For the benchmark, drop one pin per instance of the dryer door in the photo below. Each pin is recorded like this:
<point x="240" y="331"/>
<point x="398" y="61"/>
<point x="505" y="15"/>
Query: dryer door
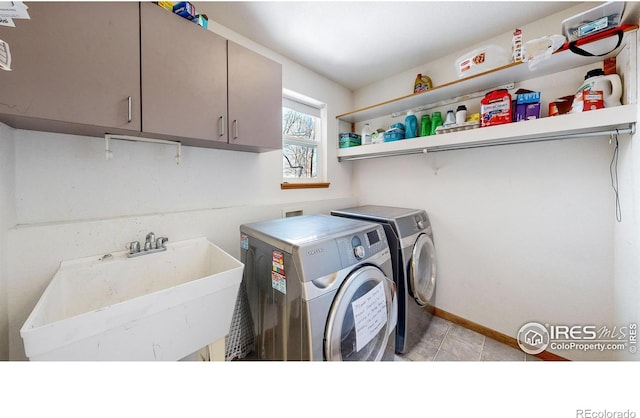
<point x="360" y="318"/>
<point x="422" y="270"/>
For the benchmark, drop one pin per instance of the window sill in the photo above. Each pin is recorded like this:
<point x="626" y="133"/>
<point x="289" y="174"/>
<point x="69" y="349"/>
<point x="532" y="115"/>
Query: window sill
<point x="289" y="186"/>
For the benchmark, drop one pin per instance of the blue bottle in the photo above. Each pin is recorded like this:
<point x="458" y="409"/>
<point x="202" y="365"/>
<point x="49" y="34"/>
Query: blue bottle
<point x="410" y="125"/>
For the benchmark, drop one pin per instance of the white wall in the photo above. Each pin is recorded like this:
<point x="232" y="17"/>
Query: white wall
<point x="523" y="232"/>
<point x="71" y="203"/>
<point x="627" y="234"/>
<point x="627" y="237"/>
<point x="7" y="220"/>
<point x="442" y="70"/>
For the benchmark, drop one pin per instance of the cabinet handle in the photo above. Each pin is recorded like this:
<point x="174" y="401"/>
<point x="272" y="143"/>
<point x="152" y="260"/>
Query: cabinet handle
<point x="235" y="129"/>
<point x="129" y="109"/>
<point x="221" y="125"/>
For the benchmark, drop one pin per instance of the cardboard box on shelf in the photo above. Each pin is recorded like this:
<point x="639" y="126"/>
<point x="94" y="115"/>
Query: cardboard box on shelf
<point x="184" y="9"/>
<point x="201" y="20"/>
<point x="496" y="108"/>
<point x="167" y="5"/>
<point x="526" y="105"/>
<point x="561" y="105"/>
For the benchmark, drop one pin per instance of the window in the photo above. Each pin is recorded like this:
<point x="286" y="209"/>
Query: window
<point x="302" y="139"/>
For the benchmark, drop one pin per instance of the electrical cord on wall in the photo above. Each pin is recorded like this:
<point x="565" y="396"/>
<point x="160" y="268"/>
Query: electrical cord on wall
<point x="613" y="171"/>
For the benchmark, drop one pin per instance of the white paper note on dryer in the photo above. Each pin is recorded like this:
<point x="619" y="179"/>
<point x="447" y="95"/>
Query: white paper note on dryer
<point x="14" y="10"/>
<point x="370" y="315"/>
<point x="7" y="21"/>
<point x="5" y="56"/>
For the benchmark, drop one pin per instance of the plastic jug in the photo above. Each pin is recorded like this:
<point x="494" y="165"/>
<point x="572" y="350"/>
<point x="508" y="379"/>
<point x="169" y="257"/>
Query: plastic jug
<point x="365" y="137"/>
<point x="610" y="85"/>
<point x="450" y="119"/>
<point x="461" y="114"/>
<point x="423" y="83"/>
<point x="425" y="125"/>
<point x="436" y="120"/>
<point x="411" y="125"/>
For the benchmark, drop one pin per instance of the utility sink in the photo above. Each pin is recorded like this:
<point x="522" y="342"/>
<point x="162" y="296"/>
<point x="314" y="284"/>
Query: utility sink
<point x="161" y="306"/>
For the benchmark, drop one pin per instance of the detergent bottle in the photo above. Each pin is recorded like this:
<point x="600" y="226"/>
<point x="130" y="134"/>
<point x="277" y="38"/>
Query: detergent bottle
<point x="365" y="136"/>
<point x="610" y="85"/>
<point x="425" y="125"/>
<point x="411" y="125"/>
<point x="422" y="83"/>
<point x="595" y="80"/>
<point x="436" y="120"/>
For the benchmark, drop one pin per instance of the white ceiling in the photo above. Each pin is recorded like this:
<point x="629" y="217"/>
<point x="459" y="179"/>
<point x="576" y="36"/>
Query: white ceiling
<point x="356" y="43"/>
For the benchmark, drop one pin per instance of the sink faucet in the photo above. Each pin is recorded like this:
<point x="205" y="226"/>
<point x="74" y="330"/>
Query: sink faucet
<point x="151" y="245"/>
<point x="150" y="241"/>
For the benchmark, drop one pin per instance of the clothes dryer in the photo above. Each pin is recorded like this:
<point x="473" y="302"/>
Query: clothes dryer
<point x="413" y="257"/>
<point x="319" y="287"/>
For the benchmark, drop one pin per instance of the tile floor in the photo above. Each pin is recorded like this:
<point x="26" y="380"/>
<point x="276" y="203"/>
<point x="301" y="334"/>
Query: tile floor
<point x="446" y="341"/>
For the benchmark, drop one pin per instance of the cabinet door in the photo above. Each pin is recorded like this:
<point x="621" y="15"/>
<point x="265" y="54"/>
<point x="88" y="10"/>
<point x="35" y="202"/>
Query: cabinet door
<point x="255" y="99"/>
<point x="184" y="77"/>
<point x="75" y="62"/>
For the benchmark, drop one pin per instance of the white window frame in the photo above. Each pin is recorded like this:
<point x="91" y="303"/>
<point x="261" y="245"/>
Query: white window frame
<point x="320" y="143"/>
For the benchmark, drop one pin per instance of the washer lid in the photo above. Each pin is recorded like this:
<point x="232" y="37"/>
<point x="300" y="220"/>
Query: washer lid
<point x="422" y="271"/>
<point x="377" y="213"/>
<point x="361" y="317"/>
<point x="288" y="233"/>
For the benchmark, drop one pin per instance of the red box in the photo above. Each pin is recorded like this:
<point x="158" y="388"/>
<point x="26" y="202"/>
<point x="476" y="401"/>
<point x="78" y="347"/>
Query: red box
<point x="495" y="108"/>
<point x="593" y="99"/>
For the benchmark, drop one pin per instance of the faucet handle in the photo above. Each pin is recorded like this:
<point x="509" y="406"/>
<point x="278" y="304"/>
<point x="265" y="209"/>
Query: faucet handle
<point x="134" y="247"/>
<point x="161" y="241"/>
<point x="150" y="241"/>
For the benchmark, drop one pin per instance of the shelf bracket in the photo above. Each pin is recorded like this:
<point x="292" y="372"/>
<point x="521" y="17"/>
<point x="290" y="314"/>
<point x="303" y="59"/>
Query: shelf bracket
<point x="109" y="137"/>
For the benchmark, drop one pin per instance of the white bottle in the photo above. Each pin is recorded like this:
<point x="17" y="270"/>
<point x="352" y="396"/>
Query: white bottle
<point x="461" y="115"/>
<point x="366" y="134"/>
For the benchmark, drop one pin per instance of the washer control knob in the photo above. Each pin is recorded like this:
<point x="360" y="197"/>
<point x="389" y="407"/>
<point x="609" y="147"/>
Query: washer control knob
<point x="359" y="252"/>
<point x="421" y="224"/>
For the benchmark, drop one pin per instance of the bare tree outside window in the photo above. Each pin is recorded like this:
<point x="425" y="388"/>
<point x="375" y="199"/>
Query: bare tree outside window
<point x="300" y="144"/>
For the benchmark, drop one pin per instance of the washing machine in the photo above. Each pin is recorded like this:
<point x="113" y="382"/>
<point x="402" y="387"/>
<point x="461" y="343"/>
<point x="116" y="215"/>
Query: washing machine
<point x="319" y="287"/>
<point x="413" y="255"/>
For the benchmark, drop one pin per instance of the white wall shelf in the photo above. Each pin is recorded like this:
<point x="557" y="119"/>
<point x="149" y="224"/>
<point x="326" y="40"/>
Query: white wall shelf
<point x="595" y="122"/>
<point x="600" y="122"/>
<point x="511" y="73"/>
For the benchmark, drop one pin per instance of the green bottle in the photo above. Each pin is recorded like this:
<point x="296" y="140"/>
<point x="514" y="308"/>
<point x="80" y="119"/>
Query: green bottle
<point x="436" y="120"/>
<point x="425" y="125"/>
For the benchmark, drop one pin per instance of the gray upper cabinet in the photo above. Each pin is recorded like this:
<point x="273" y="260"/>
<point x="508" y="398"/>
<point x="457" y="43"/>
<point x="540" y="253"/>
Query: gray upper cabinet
<point x="92" y="68"/>
<point x="255" y="99"/>
<point x="184" y="77"/>
<point x="73" y="63"/>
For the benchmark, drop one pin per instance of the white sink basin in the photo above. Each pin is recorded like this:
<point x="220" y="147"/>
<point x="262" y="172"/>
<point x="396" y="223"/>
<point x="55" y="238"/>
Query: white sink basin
<point x="161" y="306"/>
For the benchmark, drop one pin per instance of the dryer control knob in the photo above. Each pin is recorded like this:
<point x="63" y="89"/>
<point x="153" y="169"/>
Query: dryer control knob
<point x="359" y="252"/>
<point x="421" y="224"/>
